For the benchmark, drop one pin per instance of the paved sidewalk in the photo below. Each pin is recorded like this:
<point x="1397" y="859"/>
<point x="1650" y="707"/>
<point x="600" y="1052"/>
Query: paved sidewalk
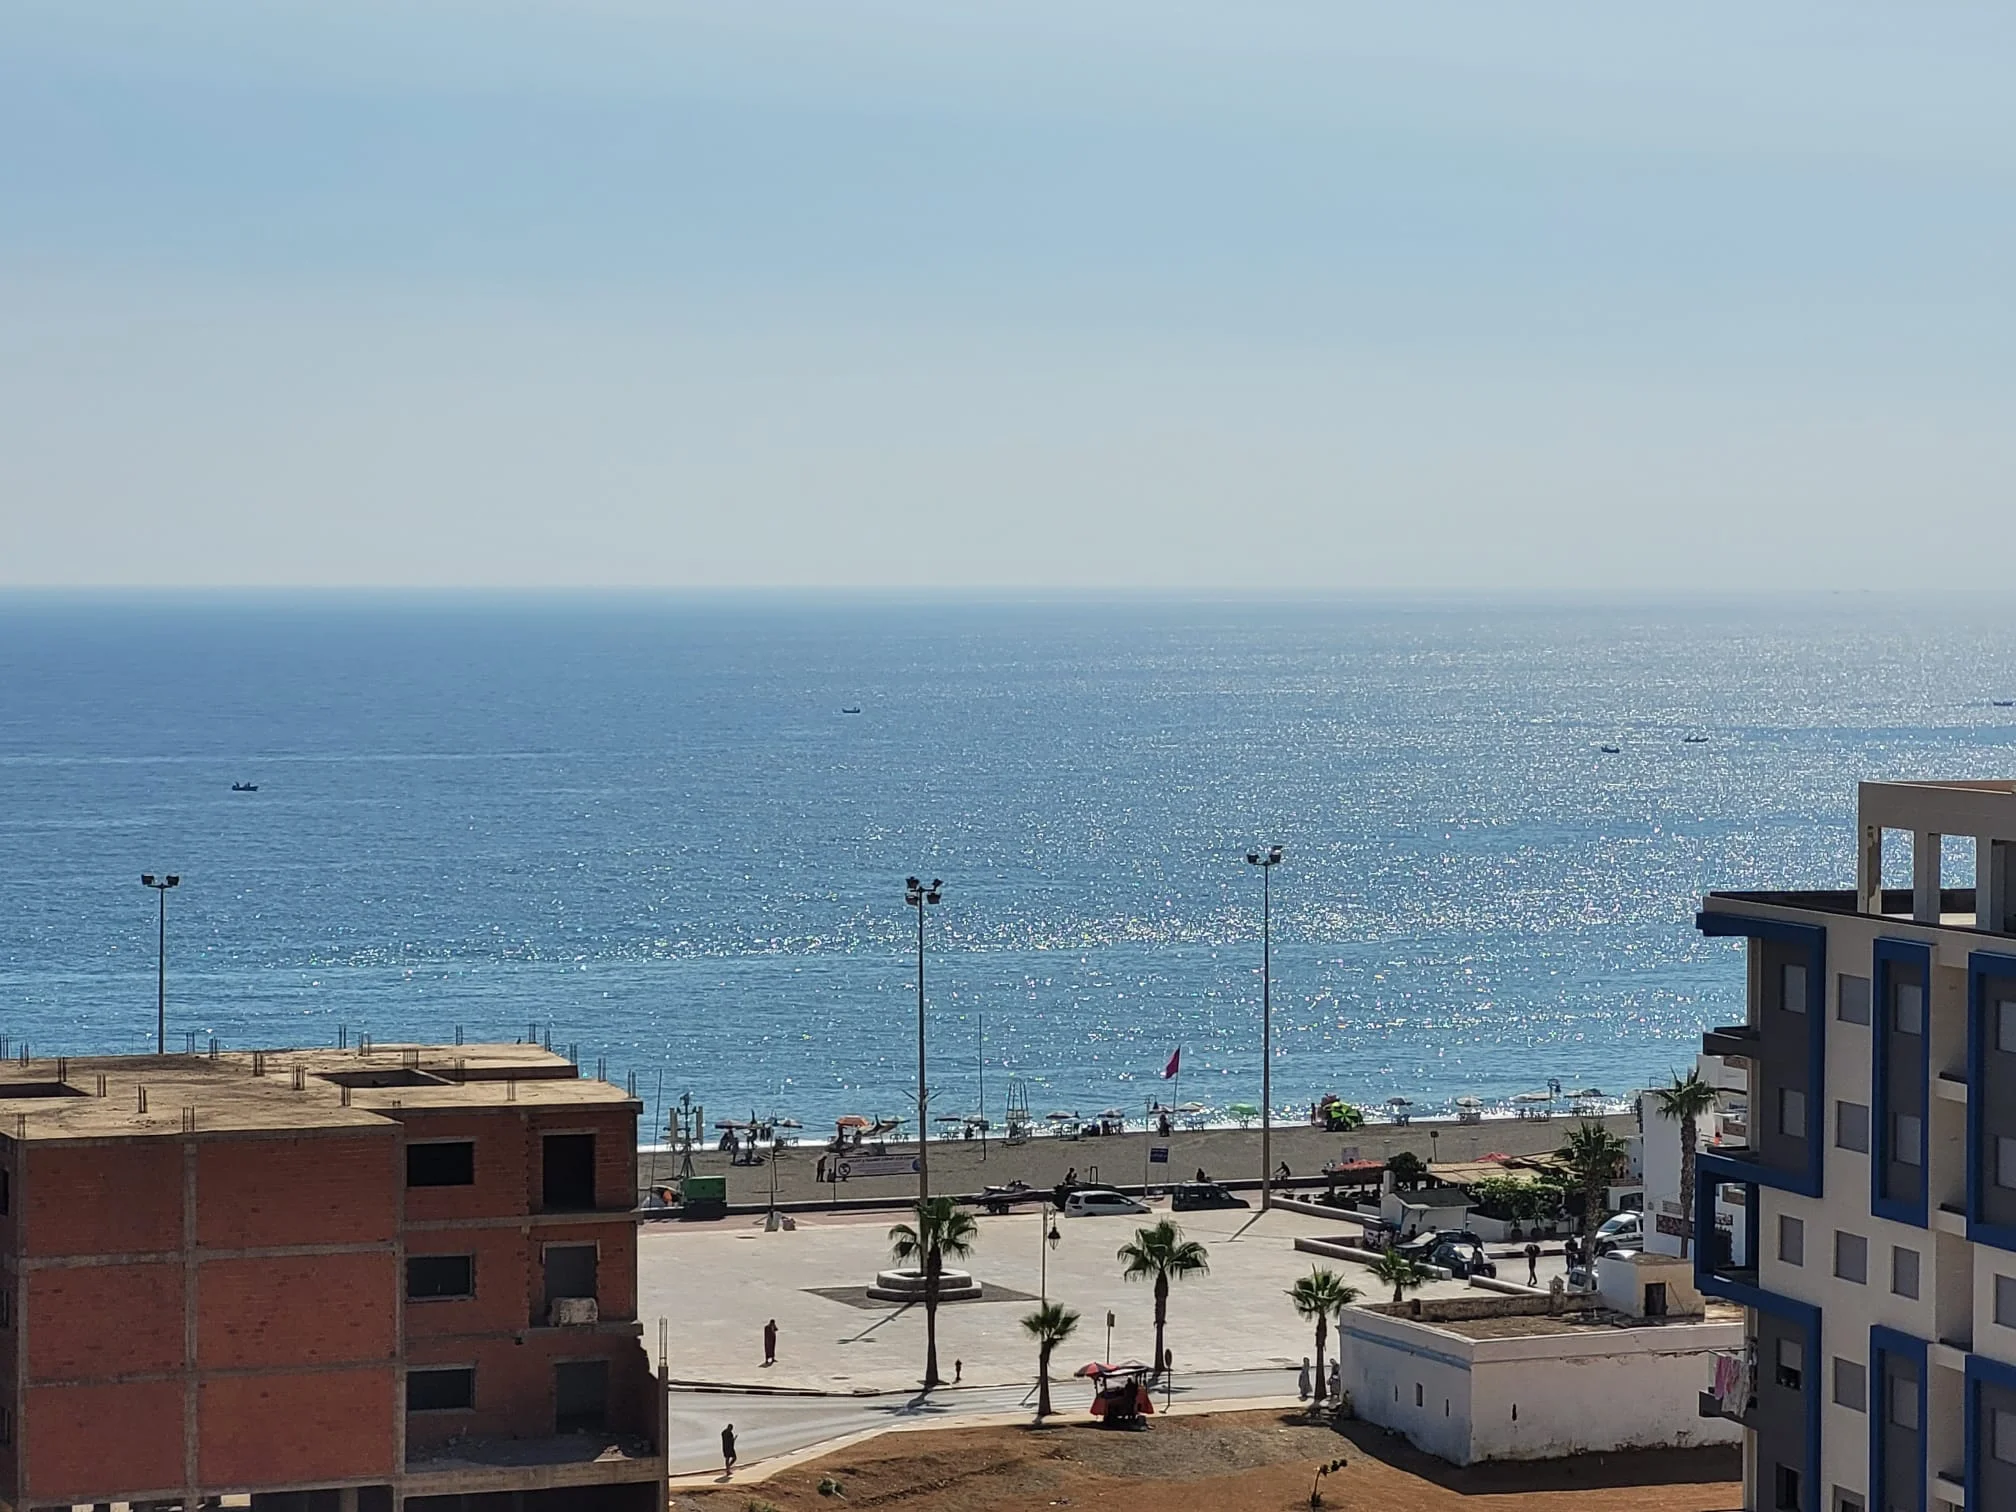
<point x="718" y="1283"/>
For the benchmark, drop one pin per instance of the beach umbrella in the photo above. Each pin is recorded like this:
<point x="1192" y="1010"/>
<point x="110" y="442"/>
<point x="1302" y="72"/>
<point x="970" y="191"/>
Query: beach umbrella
<point x="1060" y="1116"/>
<point x="1588" y="1092"/>
<point x="1113" y="1113"/>
<point x="789" y="1123"/>
<point x="1534" y="1097"/>
<point x="1399" y="1102"/>
<point x="1192" y="1107"/>
<point x="1469" y="1102"/>
<point x="851" y="1121"/>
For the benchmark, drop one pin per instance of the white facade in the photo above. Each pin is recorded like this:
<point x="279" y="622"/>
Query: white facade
<point x="1573" y="1390"/>
<point x="1871" y="1257"/>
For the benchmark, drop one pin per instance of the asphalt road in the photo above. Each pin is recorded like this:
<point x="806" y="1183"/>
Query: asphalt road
<point x="767" y="1426"/>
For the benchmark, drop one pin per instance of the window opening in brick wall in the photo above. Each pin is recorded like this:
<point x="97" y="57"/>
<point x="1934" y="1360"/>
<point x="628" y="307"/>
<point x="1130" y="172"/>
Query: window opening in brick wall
<point x="441" y="1390"/>
<point x="441" y="1163"/>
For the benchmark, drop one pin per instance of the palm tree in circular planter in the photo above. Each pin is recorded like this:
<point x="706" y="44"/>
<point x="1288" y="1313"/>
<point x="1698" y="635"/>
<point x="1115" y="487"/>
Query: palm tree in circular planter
<point x="942" y="1229"/>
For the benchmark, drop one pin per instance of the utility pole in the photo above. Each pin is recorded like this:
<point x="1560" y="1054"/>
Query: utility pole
<point x="1266" y="863"/>
<point x="917" y="895"/>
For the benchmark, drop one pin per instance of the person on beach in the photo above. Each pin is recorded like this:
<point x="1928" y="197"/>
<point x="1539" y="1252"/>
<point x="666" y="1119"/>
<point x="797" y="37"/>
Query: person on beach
<point x="1336" y="1383"/>
<point x="1532" y="1263"/>
<point x="1201" y="1177"/>
<point x="770" y="1343"/>
<point x="728" y="1449"/>
<point x="1302" y="1387"/>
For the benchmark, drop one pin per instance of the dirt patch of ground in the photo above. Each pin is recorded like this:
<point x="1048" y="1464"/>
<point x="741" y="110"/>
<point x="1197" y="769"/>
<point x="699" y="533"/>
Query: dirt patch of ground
<point x="1228" y="1462"/>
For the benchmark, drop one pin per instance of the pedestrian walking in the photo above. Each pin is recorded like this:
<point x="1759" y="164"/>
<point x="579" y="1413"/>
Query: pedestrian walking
<point x="1302" y="1386"/>
<point x="770" y="1343"/>
<point x="1337" y="1383"/>
<point x="1532" y="1263"/>
<point x="728" y="1448"/>
<point x="958" y="1370"/>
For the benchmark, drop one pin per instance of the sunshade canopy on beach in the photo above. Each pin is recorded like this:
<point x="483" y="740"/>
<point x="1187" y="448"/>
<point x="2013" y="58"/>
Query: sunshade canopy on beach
<point x="851" y="1121"/>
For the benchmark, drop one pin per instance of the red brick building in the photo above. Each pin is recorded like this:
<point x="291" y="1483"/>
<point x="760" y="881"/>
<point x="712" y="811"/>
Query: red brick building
<point x="398" y="1278"/>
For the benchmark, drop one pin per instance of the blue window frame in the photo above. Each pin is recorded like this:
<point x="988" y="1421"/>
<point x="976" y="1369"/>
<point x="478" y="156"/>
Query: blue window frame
<point x="1808" y="1182"/>
<point x="1981" y="1369"/>
<point x="1890" y="955"/>
<point x="1982" y="966"/>
<point x="1882" y="1342"/>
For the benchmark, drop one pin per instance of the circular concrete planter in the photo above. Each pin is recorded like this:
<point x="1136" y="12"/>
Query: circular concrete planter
<point x="908" y="1286"/>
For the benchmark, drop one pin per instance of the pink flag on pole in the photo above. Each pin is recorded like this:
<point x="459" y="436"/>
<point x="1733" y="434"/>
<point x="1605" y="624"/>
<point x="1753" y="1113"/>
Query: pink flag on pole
<point x="1175" y="1064"/>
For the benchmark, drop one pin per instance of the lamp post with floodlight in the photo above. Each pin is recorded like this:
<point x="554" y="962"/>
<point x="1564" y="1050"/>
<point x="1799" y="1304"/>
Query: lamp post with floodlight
<point x="161" y="886"/>
<point x="1266" y="862"/>
<point x="917" y="894"/>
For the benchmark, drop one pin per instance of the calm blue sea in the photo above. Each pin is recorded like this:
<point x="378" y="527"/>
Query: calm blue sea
<point x="646" y="826"/>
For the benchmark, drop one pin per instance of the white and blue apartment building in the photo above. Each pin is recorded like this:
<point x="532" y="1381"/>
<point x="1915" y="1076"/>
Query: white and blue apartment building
<point x="1878" y="1184"/>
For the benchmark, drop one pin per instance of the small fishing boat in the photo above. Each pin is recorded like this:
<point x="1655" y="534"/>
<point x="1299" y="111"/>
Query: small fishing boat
<point x="2002" y="703"/>
<point x="852" y="709"/>
<point x="1609" y="750"/>
<point x="244" y="787"/>
<point x="1695" y="740"/>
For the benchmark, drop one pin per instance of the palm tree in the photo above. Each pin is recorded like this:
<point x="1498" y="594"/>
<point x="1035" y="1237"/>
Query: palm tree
<point x="1050" y="1325"/>
<point x="1161" y="1254"/>
<point x="1320" y="1296"/>
<point x="1398" y="1272"/>
<point x="942" y="1229"/>
<point x="1596" y="1156"/>
<point x="1687" y="1099"/>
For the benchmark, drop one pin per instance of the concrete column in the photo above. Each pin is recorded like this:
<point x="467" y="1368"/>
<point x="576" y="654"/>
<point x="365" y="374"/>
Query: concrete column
<point x="1869" y="871"/>
<point x="1994" y="876"/>
<point x="1925" y="877"/>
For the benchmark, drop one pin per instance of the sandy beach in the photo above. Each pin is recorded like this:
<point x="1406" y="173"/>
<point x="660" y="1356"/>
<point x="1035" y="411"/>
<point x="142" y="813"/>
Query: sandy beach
<point x="965" y="1166"/>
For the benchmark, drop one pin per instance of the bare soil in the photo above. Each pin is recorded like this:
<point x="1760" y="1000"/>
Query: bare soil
<point x="1229" y="1462"/>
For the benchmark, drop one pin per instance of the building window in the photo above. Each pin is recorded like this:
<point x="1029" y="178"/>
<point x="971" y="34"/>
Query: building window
<point x="2005" y="1026"/>
<point x="1851" y="1127"/>
<point x="1791" y="1364"/>
<point x="6" y="1308"/>
<point x="450" y="1162"/>
<point x="433" y="1278"/>
<point x="1908" y="1016"/>
<point x="1785" y="1490"/>
<point x="1417" y="1393"/>
<point x="1908" y="1145"/>
<point x="2005" y="1162"/>
<point x="567" y="1174"/>
<point x="580" y="1395"/>
<point x="1851" y="1257"/>
<point x="1792" y="1112"/>
<point x="1904" y="1271"/>
<point x="1846" y="1501"/>
<point x="1794" y="981"/>
<point x="1791" y="1240"/>
<point x="1904" y="1402"/>
<point x="6" y="1193"/>
<point x="1852" y="1000"/>
<point x="1851" y="1385"/>
<point x="2002" y="1436"/>
<point x="450" y="1389"/>
<point x="2005" y="1301"/>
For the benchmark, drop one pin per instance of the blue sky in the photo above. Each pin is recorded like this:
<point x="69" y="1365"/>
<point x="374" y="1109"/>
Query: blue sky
<point x="639" y="292"/>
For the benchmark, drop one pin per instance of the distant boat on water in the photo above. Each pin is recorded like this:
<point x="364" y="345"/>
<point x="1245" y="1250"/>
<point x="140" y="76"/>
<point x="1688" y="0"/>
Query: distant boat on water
<point x="244" y="787"/>
<point x="1695" y="740"/>
<point x="852" y="709"/>
<point x="2002" y="703"/>
<point x="1609" y="750"/>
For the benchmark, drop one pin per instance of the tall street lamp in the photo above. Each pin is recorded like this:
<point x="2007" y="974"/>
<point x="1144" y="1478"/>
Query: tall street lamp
<point x="917" y="895"/>
<point x="161" y="886"/>
<point x="1266" y="863"/>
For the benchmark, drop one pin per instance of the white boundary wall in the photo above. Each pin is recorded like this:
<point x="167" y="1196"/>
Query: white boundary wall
<point x="1539" y="1396"/>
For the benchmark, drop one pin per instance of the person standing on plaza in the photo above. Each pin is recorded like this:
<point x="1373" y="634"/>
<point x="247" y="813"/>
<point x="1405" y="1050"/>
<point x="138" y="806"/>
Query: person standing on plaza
<point x="1532" y="1263"/>
<point x="728" y="1448"/>
<point x="770" y="1343"/>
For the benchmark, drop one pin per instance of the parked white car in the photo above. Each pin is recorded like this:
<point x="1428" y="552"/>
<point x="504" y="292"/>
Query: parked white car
<point x="1098" y="1204"/>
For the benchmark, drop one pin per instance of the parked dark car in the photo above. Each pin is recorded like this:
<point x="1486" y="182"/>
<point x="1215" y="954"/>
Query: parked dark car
<point x="1423" y="1244"/>
<point x="1462" y="1260"/>
<point x="1200" y="1196"/>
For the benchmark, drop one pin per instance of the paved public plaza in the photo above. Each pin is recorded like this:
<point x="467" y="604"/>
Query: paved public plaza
<point x="719" y="1282"/>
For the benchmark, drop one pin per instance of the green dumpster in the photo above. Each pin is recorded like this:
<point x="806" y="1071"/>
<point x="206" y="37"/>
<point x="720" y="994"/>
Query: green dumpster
<point x="703" y="1197"/>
